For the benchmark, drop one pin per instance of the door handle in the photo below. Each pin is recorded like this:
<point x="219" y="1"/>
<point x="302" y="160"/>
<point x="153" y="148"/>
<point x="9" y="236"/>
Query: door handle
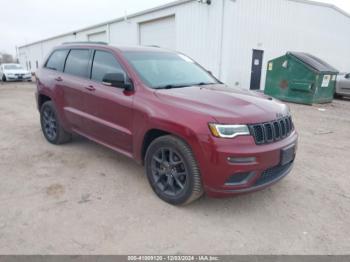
<point x="90" y="88"/>
<point x="59" y="79"/>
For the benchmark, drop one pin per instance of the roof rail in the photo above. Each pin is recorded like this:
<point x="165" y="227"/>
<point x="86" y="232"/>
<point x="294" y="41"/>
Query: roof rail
<point x="156" y="46"/>
<point x="85" y="43"/>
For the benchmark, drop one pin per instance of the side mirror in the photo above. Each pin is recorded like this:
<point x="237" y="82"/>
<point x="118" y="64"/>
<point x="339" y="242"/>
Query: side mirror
<point x="117" y="80"/>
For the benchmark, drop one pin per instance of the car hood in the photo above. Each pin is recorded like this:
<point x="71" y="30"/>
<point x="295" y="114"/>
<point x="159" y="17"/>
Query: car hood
<point x="16" y="71"/>
<point x="225" y="104"/>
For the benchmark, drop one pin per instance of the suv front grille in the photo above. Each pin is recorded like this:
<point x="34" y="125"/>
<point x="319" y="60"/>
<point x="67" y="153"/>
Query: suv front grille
<point x="269" y="132"/>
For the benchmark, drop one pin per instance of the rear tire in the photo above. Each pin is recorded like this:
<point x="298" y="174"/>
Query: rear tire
<point x="172" y="171"/>
<point x="51" y="126"/>
<point x="338" y="96"/>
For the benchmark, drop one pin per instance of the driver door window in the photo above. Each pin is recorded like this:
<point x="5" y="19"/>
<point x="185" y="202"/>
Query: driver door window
<point x="104" y="63"/>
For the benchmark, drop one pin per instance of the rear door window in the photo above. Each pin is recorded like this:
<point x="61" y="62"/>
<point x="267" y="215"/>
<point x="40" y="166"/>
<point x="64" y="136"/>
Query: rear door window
<point x="104" y="63"/>
<point x="77" y="63"/>
<point x="56" y="60"/>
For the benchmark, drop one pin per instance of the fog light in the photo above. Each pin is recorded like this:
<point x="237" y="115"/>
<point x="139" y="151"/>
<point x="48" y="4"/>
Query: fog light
<point x="241" y="160"/>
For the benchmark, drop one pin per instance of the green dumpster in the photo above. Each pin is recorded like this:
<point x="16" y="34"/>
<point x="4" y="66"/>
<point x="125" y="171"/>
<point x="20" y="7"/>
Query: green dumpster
<point x="300" y="78"/>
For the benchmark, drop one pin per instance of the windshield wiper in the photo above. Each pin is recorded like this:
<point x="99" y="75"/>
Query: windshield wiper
<point x="182" y="86"/>
<point x="170" y="86"/>
<point x="204" y="84"/>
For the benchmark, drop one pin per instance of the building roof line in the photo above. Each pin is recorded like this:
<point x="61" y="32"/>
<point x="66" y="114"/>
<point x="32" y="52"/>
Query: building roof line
<point x="147" y="11"/>
<point x="171" y="4"/>
<point x="332" y="6"/>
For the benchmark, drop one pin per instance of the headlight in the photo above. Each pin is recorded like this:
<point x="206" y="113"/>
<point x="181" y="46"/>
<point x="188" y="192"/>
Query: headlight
<point x="229" y="131"/>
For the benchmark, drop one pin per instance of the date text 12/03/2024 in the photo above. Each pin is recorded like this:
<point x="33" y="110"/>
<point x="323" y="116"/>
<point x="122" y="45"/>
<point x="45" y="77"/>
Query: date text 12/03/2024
<point x="173" y="258"/>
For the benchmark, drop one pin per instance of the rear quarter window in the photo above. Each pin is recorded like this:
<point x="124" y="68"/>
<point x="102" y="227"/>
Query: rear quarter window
<point x="56" y="60"/>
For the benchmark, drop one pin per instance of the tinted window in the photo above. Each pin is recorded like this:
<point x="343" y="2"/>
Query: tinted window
<point x="104" y="63"/>
<point x="56" y="60"/>
<point x="78" y="62"/>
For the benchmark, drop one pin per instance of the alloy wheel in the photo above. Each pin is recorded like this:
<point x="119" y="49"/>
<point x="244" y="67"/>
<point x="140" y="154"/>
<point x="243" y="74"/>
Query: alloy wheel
<point x="49" y="123"/>
<point x="169" y="172"/>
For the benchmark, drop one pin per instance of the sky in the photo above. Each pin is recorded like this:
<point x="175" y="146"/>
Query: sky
<point x="23" y="21"/>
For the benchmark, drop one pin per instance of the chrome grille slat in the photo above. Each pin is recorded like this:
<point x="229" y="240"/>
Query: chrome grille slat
<point x="269" y="132"/>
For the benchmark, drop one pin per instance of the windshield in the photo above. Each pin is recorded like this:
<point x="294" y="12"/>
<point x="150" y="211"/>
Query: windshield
<point x="168" y="70"/>
<point x="13" y="67"/>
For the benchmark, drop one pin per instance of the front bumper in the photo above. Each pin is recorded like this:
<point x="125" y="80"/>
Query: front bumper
<point x="264" y="168"/>
<point x="18" y="78"/>
<point x="257" y="186"/>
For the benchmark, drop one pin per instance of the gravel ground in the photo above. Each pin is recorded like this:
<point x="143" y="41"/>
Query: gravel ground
<point x="82" y="198"/>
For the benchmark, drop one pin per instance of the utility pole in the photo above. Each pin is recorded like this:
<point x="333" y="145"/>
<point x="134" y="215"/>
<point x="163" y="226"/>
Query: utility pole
<point x="17" y="56"/>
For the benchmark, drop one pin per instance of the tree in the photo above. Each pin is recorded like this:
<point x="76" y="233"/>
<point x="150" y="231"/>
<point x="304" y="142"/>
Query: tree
<point x="6" y="58"/>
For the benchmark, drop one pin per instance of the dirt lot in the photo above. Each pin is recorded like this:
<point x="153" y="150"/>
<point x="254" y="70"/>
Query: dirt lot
<point x="82" y="198"/>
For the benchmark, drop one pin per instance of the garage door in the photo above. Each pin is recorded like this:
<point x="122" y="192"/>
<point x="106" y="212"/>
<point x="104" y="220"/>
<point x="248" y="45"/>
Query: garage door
<point x="160" y="32"/>
<point x="98" y="37"/>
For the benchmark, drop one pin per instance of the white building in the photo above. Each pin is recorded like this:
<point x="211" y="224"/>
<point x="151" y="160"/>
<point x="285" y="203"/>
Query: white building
<point x="232" y="38"/>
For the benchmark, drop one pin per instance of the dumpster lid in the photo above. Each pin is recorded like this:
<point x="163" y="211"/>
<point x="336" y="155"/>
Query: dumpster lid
<point x="314" y="62"/>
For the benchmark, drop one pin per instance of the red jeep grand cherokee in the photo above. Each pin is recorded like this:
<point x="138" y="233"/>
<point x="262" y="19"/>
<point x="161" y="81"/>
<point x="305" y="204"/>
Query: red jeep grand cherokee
<point x="193" y="133"/>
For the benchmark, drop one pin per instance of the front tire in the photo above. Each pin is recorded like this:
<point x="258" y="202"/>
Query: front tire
<point x="172" y="171"/>
<point x="51" y="126"/>
<point x="4" y="78"/>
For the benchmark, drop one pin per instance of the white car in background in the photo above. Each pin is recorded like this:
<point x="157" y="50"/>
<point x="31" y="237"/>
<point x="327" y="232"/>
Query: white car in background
<point x="14" y="72"/>
<point x="343" y="85"/>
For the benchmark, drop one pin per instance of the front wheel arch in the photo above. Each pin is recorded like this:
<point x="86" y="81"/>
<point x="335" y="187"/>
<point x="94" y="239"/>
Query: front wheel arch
<point x="42" y="99"/>
<point x="184" y="133"/>
<point x="148" y="138"/>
